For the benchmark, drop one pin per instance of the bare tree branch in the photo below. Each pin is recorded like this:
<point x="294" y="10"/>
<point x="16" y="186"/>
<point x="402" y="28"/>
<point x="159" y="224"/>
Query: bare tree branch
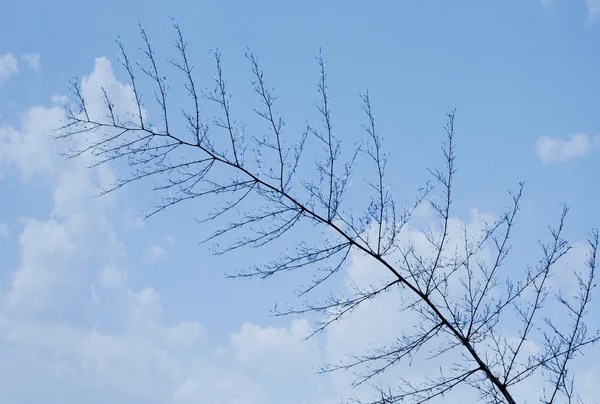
<point x="459" y="296"/>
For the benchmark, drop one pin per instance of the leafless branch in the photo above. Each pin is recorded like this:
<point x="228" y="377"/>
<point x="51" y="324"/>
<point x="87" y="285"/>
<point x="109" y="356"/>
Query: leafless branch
<point x="459" y="296"/>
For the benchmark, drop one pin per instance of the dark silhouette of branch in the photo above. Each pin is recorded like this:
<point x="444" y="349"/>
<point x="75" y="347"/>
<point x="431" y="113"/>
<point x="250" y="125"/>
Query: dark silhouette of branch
<point x="458" y="296"/>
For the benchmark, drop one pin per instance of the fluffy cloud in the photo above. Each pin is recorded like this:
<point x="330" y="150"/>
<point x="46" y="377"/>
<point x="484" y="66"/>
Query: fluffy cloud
<point x="135" y="362"/>
<point x="46" y="307"/>
<point x="30" y="149"/>
<point x="219" y="386"/>
<point x="121" y="94"/>
<point x="48" y="250"/>
<point x="8" y="66"/>
<point x="379" y="322"/>
<point x="112" y="277"/>
<point x="552" y="150"/>
<point x="53" y="251"/>
<point x="70" y="315"/>
<point x="268" y="345"/>
<point x="73" y="319"/>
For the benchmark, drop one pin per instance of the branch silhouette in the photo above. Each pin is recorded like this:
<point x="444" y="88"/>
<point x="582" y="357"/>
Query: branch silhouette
<point x="458" y="297"/>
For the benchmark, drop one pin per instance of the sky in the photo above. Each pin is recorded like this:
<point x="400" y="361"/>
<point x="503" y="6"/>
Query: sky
<point x="97" y="305"/>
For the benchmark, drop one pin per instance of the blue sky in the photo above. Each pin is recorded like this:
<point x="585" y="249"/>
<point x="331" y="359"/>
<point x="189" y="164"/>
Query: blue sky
<point x="96" y="306"/>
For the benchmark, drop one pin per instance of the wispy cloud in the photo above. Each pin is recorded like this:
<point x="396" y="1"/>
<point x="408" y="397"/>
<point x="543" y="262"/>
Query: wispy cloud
<point x="593" y="7"/>
<point x="8" y="66"/>
<point x="554" y="150"/>
<point x="32" y="60"/>
<point x="548" y="3"/>
<point x="155" y="253"/>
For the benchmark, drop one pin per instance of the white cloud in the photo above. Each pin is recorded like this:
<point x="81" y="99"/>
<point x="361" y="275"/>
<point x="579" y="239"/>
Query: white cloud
<point x="145" y="304"/>
<point x="80" y="227"/>
<point x="378" y="323"/>
<point x="548" y="3"/>
<point x="8" y="66"/>
<point x="121" y="94"/>
<point x="112" y="277"/>
<point x="59" y="99"/>
<point x="93" y="295"/>
<point x="54" y="251"/>
<point x="32" y="60"/>
<point x="593" y="7"/>
<point x="219" y="387"/>
<point x="30" y="148"/>
<point x="552" y="150"/>
<point x="128" y="353"/>
<point x="139" y="355"/>
<point x="155" y="253"/>
<point x="48" y="249"/>
<point x="120" y="365"/>
<point x="265" y="346"/>
<point x="183" y="334"/>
